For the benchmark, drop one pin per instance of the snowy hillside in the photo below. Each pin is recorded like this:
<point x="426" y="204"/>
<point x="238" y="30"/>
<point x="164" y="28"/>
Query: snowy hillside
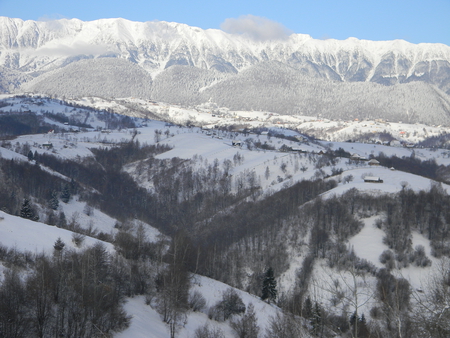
<point x="195" y="208"/>
<point x="23" y="235"/>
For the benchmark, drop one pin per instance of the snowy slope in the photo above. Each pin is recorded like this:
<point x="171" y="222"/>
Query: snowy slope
<point x="392" y="181"/>
<point x="36" y="237"/>
<point x="195" y="143"/>
<point x="146" y="321"/>
<point x="25" y="235"/>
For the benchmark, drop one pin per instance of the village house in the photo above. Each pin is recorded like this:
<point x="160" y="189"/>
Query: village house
<point x="374" y="162"/>
<point x="357" y="157"/>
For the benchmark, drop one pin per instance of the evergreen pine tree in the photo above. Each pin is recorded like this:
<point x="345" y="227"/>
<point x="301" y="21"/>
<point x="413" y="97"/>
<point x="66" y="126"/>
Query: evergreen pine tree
<point x="269" y="288"/>
<point x="65" y="195"/>
<point x="308" y="308"/>
<point x="51" y="218"/>
<point x="62" y="222"/>
<point x="73" y="187"/>
<point x="53" y="202"/>
<point x="359" y="326"/>
<point x="267" y="173"/>
<point x="363" y="330"/>
<point x="316" y="321"/>
<point x="30" y="156"/>
<point x="26" y="211"/>
<point x="353" y="319"/>
<point x="363" y="319"/>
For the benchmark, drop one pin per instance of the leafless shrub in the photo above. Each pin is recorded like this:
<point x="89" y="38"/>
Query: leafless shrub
<point x="78" y="239"/>
<point x="196" y="301"/>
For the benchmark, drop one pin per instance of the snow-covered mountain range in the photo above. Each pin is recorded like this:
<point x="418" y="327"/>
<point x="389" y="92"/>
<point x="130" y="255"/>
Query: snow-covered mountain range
<point x="177" y="63"/>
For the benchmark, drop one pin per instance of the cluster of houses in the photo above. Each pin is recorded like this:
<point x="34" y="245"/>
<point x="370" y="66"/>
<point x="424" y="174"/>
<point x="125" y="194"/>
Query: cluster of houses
<point x="393" y="143"/>
<point x="372" y="162"/>
<point x="356" y="157"/>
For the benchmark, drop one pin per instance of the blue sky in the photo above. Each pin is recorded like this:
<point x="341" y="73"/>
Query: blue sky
<point x="413" y="20"/>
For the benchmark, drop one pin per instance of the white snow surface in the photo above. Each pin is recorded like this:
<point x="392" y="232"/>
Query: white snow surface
<point x="393" y="181"/>
<point x="146" y="321"/>
<point x="25" y="235"/>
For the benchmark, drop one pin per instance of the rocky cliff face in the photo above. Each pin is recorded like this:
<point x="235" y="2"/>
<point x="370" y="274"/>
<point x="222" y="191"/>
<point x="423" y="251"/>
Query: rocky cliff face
<point x="32" y="53"/>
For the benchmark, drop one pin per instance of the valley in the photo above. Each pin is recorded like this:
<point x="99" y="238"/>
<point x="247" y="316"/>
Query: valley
<point x="176" y="208"/>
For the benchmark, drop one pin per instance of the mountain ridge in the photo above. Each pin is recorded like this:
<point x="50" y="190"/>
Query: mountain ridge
<point x="35" y="56"/>
<point x="54" y="35"/>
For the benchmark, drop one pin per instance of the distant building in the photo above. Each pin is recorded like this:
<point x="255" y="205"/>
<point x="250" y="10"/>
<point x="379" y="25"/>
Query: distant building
<point x="301" y="138"/>
<point x="372" y="179"/>
<point x="374" y="162"/>
<point x="235" y="143"/>
<point x="357" y="157"/>
<point x="395" y="143"/>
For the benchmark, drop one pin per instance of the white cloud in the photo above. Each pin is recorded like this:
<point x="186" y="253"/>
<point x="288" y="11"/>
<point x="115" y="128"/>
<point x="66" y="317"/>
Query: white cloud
<point x="52" y="22"/>
<point x="256" y="27"/>
<point x="54" y="47"/>
<point x="51" y="17"/>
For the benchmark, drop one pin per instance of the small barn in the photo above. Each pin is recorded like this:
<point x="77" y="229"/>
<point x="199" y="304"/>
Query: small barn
<point x="236" y="143"/>
<point x="373" y="179"/>
<point x="299" y="150"/>
<point x="374" y="162"/>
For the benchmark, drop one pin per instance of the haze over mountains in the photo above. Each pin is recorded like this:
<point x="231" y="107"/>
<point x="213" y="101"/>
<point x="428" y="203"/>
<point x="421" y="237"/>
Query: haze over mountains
<point x="179" y="64"/>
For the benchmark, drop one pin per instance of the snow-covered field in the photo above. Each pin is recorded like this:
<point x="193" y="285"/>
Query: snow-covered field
<point x="36" y="237"/>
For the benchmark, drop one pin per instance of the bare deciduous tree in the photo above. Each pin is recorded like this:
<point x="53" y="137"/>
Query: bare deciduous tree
<point x="285" y="326"/>
<point x="350" y="289"/>
<point x="247" y="325"/>
<point x="432" y="312"/>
